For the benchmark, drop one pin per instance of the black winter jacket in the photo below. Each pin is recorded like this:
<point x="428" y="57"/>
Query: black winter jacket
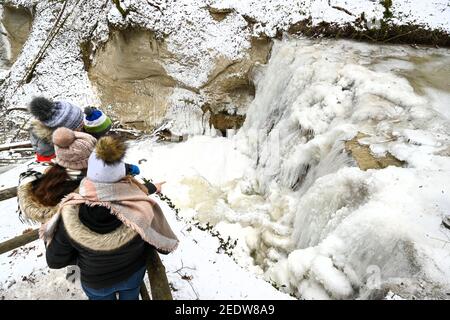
<point x="106" y="250"/>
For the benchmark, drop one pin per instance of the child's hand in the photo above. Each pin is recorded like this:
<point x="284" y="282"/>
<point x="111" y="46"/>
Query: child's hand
<point x="159" y="186"/>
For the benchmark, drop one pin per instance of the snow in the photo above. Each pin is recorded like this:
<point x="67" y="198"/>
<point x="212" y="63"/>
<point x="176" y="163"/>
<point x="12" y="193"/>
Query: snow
<point x="214" y="276"/>
<point x="61" y="73"/>
<point x="279" y="14"/>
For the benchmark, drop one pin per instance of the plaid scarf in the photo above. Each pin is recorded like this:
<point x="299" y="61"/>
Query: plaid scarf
<point x="129" y="202"/>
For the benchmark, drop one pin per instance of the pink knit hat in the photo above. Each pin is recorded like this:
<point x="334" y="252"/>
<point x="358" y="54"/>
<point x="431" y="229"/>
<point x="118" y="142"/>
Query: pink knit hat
<point x="73" y="148"/>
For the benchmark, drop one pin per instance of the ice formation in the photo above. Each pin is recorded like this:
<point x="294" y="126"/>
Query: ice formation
<point x="312" y="222"/>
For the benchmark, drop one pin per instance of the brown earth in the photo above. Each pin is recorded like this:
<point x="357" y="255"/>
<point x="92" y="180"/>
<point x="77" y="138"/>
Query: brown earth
<point x="364" y="157"/>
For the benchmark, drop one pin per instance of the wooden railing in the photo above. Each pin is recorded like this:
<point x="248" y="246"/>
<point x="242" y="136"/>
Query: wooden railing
<point x="8" y="193"/>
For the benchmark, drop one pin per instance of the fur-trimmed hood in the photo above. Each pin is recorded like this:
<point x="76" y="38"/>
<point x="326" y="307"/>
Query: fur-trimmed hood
<point x="31" y="209"/>
<point x="41" y="138"/>
<point x="91" y="240"/>
<point x="41" y="131"/>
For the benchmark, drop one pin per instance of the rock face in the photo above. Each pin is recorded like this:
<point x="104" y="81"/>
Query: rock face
<point x="230" y="87"/>
<point x="129" y="75"/>
<point x="223" y="121"/>
<point x="17" y="24"/>
<point x="128" y="72"/>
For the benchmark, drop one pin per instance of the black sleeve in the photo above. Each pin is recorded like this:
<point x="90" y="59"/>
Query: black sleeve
<point x="150" y="187"/>
<point x="60" y="252"/>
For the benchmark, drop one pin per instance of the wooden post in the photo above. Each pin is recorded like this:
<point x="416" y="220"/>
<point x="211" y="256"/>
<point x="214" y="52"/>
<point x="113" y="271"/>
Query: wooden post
<point x="19" y="241"/>
<point x="144" y="292"/>
<point x="159" y="285"/>
<point x="8" y="193"/>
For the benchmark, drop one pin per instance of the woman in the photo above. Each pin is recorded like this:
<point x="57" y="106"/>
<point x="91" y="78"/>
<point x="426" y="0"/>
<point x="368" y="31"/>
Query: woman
<point x="41" y="189"/>
<point x="108" y="227"/>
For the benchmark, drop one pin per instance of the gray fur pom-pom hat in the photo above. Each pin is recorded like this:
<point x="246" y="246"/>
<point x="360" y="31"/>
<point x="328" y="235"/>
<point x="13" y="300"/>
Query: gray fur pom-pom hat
<point x="56" y="114"/>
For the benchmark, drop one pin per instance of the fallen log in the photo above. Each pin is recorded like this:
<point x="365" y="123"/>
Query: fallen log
<point x="15" y="145"/>
<point x="134" y="133"/>
<point x="16" y="109"/>
<point x="159" y="285"/>
<point x="8" y="193"/>
<point x="19" y="241"/>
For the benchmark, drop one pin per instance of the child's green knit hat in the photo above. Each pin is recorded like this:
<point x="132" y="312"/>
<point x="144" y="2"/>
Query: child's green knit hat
<point x="96" y="122"/>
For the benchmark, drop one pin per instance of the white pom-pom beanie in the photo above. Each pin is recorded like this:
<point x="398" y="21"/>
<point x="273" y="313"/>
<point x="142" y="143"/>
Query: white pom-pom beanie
<point x="106" y="164"/>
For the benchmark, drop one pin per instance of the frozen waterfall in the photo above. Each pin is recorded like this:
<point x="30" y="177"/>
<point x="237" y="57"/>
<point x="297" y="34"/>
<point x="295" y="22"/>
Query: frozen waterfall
<point x="305" y="216"/>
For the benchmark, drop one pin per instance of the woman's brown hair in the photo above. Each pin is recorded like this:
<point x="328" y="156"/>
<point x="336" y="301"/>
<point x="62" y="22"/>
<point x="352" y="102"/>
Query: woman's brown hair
<point x="53" y="186"/>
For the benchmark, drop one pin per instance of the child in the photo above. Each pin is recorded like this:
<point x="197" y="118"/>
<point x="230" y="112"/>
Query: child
<point x="98" y="124"/>
<point x="95" y="122"/>
<point x="49" y="116"/>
